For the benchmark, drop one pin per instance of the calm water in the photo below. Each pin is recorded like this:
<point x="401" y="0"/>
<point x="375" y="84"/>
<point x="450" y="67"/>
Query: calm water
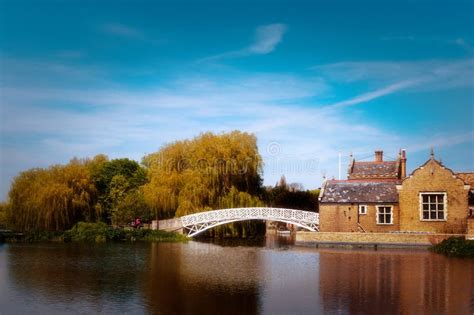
<point x="270" y="276"/>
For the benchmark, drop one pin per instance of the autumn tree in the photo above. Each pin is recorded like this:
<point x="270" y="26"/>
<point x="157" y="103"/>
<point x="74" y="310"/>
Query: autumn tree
<point x="195" y="175"/>
<point x="54" y="198"/>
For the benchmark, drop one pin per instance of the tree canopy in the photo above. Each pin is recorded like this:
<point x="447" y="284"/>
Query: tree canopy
<point x="54" y="198"/>
<point x="195" y="175"/>
<point x="117" y="181"/>
<point x="211" y="171"/>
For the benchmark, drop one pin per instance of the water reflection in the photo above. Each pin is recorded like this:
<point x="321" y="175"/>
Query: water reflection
<point x="271" y="276"/>
<point x="409" y="282"/>
<point x="202" y="278"/>
<point x="72" y="277"/>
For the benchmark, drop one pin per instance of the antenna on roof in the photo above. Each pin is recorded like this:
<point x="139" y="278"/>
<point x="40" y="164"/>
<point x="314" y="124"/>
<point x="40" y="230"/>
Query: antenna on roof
<point x="432" y="152"/>
<point x="340" y="155"/>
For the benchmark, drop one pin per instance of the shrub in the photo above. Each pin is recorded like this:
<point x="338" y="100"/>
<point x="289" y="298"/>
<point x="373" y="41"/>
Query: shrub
<point x="101" y="232"/>
<point x="42" y="236"/>
<point x="89" y="232"/>
<point x="455" y="247"/>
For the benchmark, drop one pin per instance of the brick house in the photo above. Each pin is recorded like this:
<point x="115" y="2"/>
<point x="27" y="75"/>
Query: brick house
<point x="378" y="197"/>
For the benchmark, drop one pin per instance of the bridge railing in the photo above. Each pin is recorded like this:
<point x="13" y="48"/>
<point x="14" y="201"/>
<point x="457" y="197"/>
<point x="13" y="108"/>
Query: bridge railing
<point x="234" y="214"/>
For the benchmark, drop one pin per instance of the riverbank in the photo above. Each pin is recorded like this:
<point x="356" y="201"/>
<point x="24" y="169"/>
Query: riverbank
<point x="98" y="233"/>
<point x="370" y="240"/>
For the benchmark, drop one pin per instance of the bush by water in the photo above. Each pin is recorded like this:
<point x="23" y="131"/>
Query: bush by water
<point x="455" y="247"/>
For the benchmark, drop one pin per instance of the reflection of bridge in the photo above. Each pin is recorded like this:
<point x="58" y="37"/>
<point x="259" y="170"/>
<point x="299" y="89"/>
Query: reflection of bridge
<point x="202" y="221"/>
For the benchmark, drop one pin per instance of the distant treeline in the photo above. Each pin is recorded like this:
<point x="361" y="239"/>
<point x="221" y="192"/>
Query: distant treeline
<point x="208" y="172"/>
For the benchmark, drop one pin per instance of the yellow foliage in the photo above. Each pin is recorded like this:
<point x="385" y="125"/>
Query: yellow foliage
<point x="53" y="198"/>
<point x="189" y="176"/>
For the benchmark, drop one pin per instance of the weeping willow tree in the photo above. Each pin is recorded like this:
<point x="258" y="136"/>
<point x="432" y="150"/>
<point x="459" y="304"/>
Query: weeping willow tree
<point x="204" y="173"/>
<point x="237" y="199"/>
<point x="52" y="199"/>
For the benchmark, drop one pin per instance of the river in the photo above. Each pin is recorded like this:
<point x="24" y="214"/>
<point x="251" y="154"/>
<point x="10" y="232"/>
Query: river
<point x="268" y="276"/>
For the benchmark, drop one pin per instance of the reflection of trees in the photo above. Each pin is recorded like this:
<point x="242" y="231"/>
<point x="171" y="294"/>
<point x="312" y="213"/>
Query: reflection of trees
<point x="161" y="278"/>
<point x="95" y="274"/>
<point x="395" y="282"/>
<point x="204" y="278"/>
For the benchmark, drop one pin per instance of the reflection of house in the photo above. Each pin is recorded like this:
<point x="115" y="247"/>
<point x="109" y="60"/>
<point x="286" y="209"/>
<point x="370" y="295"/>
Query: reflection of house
<point x="393" y="282"/>
<point x="379" y="197"/>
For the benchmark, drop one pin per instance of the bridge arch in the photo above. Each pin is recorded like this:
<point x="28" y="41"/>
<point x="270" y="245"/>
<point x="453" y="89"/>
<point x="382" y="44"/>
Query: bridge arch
<point x="202" y="221"/>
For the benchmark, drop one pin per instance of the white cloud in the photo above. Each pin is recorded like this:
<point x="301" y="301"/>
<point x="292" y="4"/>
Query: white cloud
<point x="129" y="122"/>
<point x="390" y="71"/>
<point x="267" y="38"/>
<point x="366" y="97"/>
<point x="398" y="76"/>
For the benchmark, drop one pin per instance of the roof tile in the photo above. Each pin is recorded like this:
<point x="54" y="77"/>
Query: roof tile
<point x="348" y="191"/>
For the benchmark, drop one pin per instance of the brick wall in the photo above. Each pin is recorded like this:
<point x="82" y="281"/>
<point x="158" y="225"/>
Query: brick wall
<point x="337" y="217"/>
<point x="369" y="221"/>
<point x="344" y="218"/>
<point x="433" y="177"/>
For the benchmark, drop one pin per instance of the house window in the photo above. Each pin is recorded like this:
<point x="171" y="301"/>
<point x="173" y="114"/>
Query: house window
<point x="384" y="215"/>
<point x="433" y="206"/>
<point x="362" y="209"/>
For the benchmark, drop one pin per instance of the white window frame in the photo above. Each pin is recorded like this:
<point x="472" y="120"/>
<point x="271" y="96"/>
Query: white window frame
<point x="445" y="203"/>
<point x="378" y="212"/>
<point x="363" y="207"/>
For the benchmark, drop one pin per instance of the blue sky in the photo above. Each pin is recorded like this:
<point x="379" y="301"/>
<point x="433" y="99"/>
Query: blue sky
<point x="309" y="78"/>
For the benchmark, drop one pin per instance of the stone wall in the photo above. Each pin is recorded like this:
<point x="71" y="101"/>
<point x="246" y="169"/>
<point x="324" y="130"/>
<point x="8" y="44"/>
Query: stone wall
<point x="167" y="225"/>
<point x="309" y="238"/>
<point x="433" y="177"/>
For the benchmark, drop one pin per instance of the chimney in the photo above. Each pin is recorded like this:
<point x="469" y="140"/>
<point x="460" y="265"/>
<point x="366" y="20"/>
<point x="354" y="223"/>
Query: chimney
<point x="403" y="164"/>
<point x="378" y="156"/>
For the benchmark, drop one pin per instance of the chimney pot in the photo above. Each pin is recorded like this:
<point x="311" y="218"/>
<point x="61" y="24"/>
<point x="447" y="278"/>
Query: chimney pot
<point x="403" y="166"/>
<point x="378" y="156"/>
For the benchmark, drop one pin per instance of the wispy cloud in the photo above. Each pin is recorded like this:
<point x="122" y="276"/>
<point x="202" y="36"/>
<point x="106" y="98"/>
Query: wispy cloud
<point x="267" y="38"/>
<point x="366" y="97"/>
<point x="56" y="122"/>
<point x="122" y="30"/>
<point x="460" y="42"/>
<point x="398" y="76"/>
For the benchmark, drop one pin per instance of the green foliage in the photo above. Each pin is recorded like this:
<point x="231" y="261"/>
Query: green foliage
<point x="208" y="172"/>
<point x="292" y="196"/>
<point x="195" y="175"/>
<point x="88" y="232"/>
<point x="118" y="181"/>
<point x="455" y="247"/>
<point x="100" y="232"/>
<point x="236" y="199"/>
<point x="43" y="236"/>
<point x="132" y="206"/>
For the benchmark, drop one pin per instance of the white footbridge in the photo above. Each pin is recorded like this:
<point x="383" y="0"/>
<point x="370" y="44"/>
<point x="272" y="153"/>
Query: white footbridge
<point x="194" y="224"/>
